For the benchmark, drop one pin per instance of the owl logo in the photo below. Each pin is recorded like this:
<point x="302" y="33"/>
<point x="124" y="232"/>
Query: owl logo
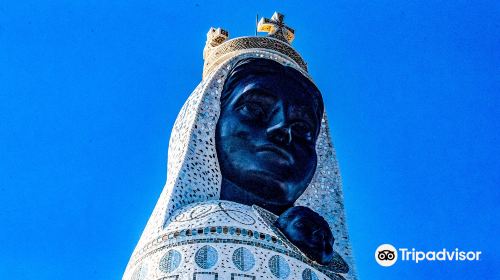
<point x="386" y="255"/>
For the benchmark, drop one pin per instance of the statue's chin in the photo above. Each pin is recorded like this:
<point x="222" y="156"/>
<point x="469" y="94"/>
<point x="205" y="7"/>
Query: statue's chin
<point x="267" y="185"/>
<point x="261" y="188"/>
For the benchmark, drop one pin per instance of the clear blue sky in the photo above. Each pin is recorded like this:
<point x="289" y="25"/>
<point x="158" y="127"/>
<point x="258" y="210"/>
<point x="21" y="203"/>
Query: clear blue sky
<point x="89" y="91"/>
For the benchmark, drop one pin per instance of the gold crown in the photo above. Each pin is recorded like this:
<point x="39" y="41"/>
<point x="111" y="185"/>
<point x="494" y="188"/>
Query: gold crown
<point x="279" y="38"/>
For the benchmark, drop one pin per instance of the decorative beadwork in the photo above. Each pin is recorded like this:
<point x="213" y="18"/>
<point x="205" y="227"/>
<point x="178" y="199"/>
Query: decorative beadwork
<point x="206" y="257"/>
<point x="243" y="259"/>
<point x="239" y="276"/>
<point x="170" y="261"/>
<point x="213" y="55"/>
<point x="309" y="275"/>
<point x="205" y="275"/>
<point x="279" y="267"/>
<point x="258" y="237"/>
<point x="196" y="213"/>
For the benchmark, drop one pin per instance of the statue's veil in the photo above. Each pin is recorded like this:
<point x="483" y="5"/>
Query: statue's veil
<point x="193" y="172"/>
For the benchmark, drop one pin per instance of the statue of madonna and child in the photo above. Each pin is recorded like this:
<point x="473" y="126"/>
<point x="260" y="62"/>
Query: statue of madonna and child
<point x="253" y="188"/>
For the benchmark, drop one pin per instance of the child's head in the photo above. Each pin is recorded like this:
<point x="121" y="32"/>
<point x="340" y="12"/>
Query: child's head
<point x="308" y="231"/>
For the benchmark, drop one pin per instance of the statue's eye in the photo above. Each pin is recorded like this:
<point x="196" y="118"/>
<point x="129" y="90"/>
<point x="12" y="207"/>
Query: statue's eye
<point x="253" y="110"/>
<point x="302" y="130"/>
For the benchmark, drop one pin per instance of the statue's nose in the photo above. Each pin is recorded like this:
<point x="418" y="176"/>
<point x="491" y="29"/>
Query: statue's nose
<point x="280" y="134"/>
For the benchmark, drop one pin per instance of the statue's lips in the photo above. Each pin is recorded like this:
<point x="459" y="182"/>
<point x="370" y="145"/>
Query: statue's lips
<point x="277" y="151"/>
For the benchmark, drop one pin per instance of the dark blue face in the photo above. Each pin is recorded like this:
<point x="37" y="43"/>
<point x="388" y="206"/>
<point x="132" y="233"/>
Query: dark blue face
<point x="266" y="137"/>
<point x="309" y="232"/>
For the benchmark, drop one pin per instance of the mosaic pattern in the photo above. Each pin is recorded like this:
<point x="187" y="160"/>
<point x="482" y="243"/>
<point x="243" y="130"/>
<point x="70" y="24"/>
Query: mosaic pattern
<point x="214" y="55"/>
<point x="170" y="261"/>
<point x="194" y="176"/>
<point x="236" y="248"/>
<point x="279" y="267"/>
<point x="205" y="276"/>
<point x="309" y="275"/>
<point x="196" y="213"/>
<point x="243" y="259"/>
<point x="237" y="276"/>
<point x="206" y="257"/>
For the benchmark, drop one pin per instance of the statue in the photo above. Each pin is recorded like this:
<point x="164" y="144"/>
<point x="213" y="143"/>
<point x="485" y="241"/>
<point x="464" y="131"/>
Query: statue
<point x="253" y="189"/>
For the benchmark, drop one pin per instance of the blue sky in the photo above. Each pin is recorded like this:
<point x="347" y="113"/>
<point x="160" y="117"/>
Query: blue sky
<point x="89" y="91"/>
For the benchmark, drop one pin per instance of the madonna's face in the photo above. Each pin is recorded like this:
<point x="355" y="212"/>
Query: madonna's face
<point x="266" y="137"/>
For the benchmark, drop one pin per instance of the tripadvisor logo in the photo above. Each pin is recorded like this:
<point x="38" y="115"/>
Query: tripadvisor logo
<point x="387" y="255"/>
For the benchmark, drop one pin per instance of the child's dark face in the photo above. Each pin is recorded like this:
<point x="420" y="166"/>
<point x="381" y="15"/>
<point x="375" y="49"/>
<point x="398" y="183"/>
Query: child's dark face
<point x="309" y="232"/>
